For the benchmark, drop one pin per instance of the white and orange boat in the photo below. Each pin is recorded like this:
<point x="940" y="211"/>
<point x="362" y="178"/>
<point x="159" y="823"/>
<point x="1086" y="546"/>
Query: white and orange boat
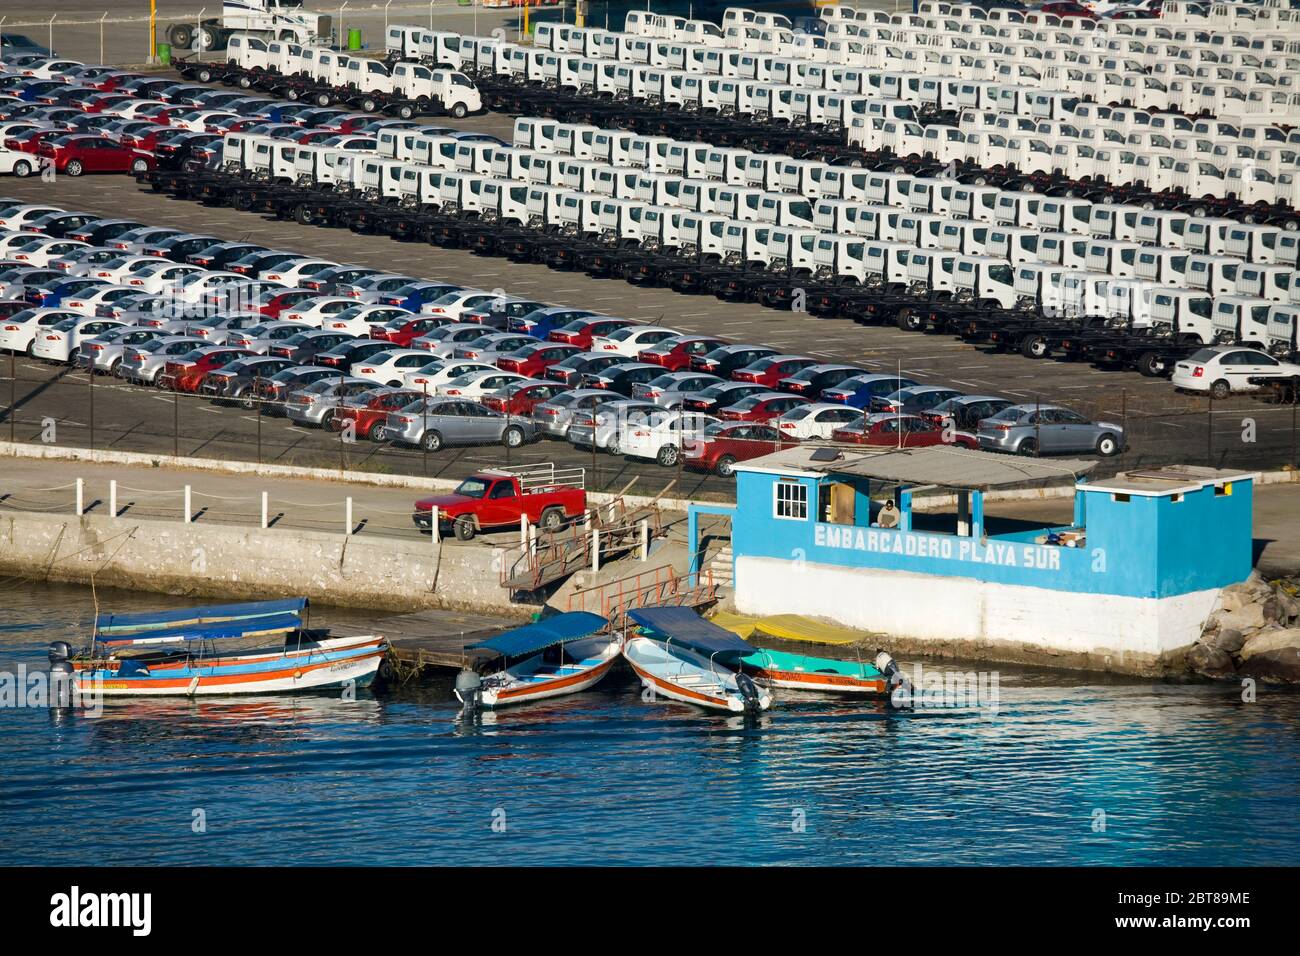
<point x="561" y="655"/>
<point x="188" y="653"/>
<point x="680" y="656"/>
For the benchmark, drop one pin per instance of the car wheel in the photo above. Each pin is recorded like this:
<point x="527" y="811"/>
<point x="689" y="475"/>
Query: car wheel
<point x="1034" y="346"/>
<point x="552" y="519"/>
<point x="247" y="402"/>
<point x="726" y="467"/>
<point x="668" y="456"/>
<point x="1220" y="390"/>
<point x="512" y="437"/>
<point x="612" y="448"/>
<point x="379" y="434"/>
<point x="1107" y="445"/>
<point x="22" y="168"/>
<point x="74" y="168"/>
<point x="1027" y="446"/>
<point x="431" y="441"/>
<point x="464" y="528"/>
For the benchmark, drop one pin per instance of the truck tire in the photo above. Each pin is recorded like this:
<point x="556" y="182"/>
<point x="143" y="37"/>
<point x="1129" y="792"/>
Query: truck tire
<point x="180" y="36"/>
<point x="303" y="216"/>
<point x="210" y="38"/>
<point x="406" y="111"/>
<point x="431" y="441"/>
<point x="464" y="528"/>
<point x="459" y="111"/>
<point x="1034" y="346"/>
<point x="1220" y="390"/>
<point x="323" y="99"/>
<point x="203" y="74"/>
<point x="369" y="104"/>
<point x="1152" y="365"/>
<point x="513" y="437"/>
<point x="552" y="519"/>
<point x="668" y="456"/>
<point x="244" y="81"/>
<point x="908" y="320"/>
<point x="1107" y="445"/>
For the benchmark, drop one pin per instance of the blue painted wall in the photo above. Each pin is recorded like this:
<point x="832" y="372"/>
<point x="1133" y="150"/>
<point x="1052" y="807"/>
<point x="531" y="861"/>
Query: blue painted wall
<point x="1142" y="547"/>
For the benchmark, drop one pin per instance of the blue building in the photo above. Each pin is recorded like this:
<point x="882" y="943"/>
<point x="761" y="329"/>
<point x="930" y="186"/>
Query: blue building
<point x="835" y="533"/>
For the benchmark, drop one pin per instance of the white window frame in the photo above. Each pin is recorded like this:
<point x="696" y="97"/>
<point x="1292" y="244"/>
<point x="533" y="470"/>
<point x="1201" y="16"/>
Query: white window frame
<point x="795" y="501"/>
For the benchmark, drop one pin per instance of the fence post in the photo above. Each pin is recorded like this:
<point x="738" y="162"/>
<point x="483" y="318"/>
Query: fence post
<point x="52" y="19"/>
<point x="81" y="496"/>
<point x="523" y="529"/>
<point x="13" y="389"/>
<point x="112" y="498"/>
<point x="101" y="36"/>
<point x="433" y="525"/>
<point x="645" y="540"/>
<point x="348" y="518"/>
<point x="90" y="376"/>
<point x="1209" y="430"/>
<point x="595" y="550"/>
<point x="189" y="513"/>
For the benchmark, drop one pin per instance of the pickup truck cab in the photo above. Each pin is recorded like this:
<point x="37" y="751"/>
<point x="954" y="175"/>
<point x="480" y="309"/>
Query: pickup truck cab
<point x="498" y="498"/>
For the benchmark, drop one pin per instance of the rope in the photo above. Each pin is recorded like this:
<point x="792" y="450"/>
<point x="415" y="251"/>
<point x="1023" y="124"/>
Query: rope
<point x="55" y="488"/>
<point x="151" y="491"/>
<point x="203" y="494"/>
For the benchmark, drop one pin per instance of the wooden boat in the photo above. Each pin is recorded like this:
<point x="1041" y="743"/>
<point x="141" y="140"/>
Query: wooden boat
<point x="564" y="654"/>
<point x="803" y="672"/>
<point x="186" y="653"/>
<point x="679" y="655"/>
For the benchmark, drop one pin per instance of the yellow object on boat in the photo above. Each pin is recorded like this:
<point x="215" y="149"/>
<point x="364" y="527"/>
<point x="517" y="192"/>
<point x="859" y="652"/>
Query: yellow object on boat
<point x="788" y="627"/>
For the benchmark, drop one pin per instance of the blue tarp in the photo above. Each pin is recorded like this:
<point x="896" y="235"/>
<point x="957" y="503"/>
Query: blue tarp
<point x="532" y="638"/>
<point x="681" y="625"/>
<point x="259" y="626"/>
<point x="146" y="622"/>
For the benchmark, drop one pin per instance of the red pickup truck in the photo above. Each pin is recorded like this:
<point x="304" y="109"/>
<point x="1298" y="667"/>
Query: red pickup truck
<point x="496" y="498"/>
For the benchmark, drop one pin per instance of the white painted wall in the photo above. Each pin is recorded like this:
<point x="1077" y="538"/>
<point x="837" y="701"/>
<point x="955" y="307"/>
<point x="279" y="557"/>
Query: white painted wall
<point x="950" y="609"/>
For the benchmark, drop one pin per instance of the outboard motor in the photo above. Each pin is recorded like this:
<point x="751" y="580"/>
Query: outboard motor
<point x="748" y="693"/>
<point x="469" y="690"/>
<point x="895" y="677"/>
<point x="60" y="673"/>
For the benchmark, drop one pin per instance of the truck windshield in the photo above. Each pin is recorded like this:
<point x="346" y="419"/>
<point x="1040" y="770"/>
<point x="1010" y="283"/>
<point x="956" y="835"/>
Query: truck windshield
<point x="472" y="488"/>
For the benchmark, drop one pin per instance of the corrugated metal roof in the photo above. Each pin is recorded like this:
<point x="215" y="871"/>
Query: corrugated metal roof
<point x="948" y="467"/>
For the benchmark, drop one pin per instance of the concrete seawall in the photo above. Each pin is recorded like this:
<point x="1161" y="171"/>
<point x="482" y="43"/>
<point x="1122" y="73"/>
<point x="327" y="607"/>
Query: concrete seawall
<point x="224" y="561"/>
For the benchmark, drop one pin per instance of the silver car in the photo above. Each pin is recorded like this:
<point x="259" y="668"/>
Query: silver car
<point x="219" y="329"/>
<point x="259" y="338"/>
<point x="1048" y="429"/>
<point x="491" y="346"/>
<point x="104" y="353"/>
<point x="442" y="341"/>
<point x="142" y="363"/>
<point x="554" y="416"/>
<point x="604" y="424"/>
<point x="133" y="241"/>
<point x="437" y="422"/>
<point x="671" y="388"/>
<point x="314" y="404"/>
<point x="82" y="261"/>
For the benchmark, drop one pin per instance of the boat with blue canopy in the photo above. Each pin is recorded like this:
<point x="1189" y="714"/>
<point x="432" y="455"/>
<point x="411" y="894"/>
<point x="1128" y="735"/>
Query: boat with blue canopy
<point x="563" y="654"/>
<point x="682" y="656"/>
<point x="258" y="647"/>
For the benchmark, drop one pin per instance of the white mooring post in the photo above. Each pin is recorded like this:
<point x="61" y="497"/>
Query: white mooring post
<point x="348" y="516"/>
<point x="265" y="509"/>
<point x="81" y="497"/>
<point x="112" y="498"/>
<point x="645" y="539"/>
<point x="523" y="529"/>
<point x="433" y="526"/>
<point x="595" y="550"/>
<point x="189" y="512"/>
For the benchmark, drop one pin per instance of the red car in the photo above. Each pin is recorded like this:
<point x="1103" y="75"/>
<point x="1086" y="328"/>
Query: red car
<point x="761" y="407"/>
<point x="897" y="431"/>
<point x="582" y="331"/>
<point x="769" y="371"/>
<point x="534" y="360"/>
<point x="520" y="398"/>
<point x="404" y="333"/>
<point x="29" y="141"/>
<point x="370" y="409"/>
<point x="1065" y="8"/>
<point x="98" y="102"/>
<point x="725" y="443"/>
<point x="675" y="354"/>
<point x="87" y="153"/>
<point x="273" y="303"/>
<point x="186" y="374"/>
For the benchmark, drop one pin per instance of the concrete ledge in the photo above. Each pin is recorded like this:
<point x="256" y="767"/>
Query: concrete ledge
<point x="220" y="560"/>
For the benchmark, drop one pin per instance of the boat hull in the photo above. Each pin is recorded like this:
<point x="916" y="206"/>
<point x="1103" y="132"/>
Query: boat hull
<point x="331" y="663"/>
<point x="681" y="675"/>
<point x="801" y="672"/>
<point x="522" y="684"/>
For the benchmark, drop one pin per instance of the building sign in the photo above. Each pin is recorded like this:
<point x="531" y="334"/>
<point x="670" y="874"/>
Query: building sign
<point x="1007" y="554"/>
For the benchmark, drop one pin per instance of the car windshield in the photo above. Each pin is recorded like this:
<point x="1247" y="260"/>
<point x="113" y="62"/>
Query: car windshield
<point x="472" y="488"/>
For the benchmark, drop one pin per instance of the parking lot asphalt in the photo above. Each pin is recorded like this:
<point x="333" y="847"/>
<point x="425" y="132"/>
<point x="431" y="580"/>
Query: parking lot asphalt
<point x="1162" y="426"/>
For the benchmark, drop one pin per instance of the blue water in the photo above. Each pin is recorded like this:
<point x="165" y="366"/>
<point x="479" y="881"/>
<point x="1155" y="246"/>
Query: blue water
<point x="1183" y="775"/>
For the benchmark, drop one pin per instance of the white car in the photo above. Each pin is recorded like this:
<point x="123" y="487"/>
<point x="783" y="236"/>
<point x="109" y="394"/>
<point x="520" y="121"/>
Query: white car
<point x="631" y="339"/>
<point x="315" y="312"/>
<point x="195" y="286"/>
<point x="662" y="435"/>
<point x="17" y="216"/>
<point x="117" y="270"/>
<point x="439" y="372"/>
<point x="387" y="368"/>
<point x="41" y="252"/>
<point x="88" y="300"/>
<point x="159" y="277"/>
<point x="361" y="319"/>
<point x="816" y="420"/>
<point x="61" y="342"/>
<point x="199" y="122"/>
<point x="131" y="110"/>
<point x="51" y="69"/>
<point x="475" y="385"/>
<point x="455" y="304"/>
<point x="18" y="163"/>
<point x="1221" y="370"/>
<point x="19" y="330"/>
<point x="291" y="273"/>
